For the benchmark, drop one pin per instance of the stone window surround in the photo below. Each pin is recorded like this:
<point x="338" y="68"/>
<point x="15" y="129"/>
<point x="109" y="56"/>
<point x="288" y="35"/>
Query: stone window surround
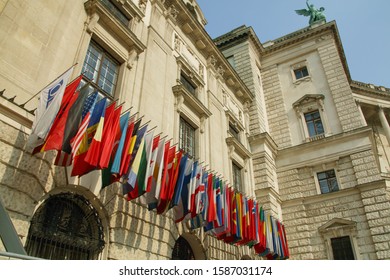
<point x="309" y="103"/>
<point x="297" y="66"/>
<point x="322" y="168"/>
<point x="338" y="228"/>
<point x="98" y="18"/>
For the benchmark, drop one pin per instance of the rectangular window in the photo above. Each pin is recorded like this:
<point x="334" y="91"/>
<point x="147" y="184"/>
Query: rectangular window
<point x="125" y="20"/>
<point x="237" y="180"/>
<point x="327" y="181"/>
<point x="301" y="73"/>
<point x="234" y="131"/>
<point x="342" y="248"/>
<point x="187" y="138"/>
<point x="314" y="123"/>
<point x="100" y="70"/>
<point x="187" y="84"/>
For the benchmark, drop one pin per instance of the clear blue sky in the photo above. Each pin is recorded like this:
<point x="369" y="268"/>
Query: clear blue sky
<point x="364" y="27"/>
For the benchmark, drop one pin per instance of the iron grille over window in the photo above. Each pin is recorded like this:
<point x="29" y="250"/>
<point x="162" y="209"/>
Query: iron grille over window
<point x="327" y="181"/>
<point x="237" y="176"/>
<point x="342" y="248"/>
<point x="65" y="227"/>
<point x="314" y="123"/>
<point x="182" y="250"/>
<point x="100" y="70"/>
<point x="187" y="138"/>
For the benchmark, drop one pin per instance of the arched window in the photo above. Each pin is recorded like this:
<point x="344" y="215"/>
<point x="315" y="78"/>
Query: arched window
<point x="65" y="227"/>
<point x="182" y="250"/>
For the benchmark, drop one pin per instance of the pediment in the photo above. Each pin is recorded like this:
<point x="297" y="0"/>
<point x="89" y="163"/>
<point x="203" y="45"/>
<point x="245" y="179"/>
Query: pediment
<point x="308" y="98"/>
<point x="337" y="223"/>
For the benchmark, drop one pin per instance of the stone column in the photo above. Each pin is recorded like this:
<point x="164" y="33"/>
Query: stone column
<point x="384" y="123"/>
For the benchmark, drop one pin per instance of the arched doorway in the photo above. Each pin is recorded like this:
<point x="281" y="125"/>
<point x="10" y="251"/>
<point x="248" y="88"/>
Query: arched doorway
<point x="65" y="226"/>
<point x="188" y="247"/>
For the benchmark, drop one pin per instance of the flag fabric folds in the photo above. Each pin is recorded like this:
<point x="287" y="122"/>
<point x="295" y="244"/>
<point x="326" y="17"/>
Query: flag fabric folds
<point x="93" y="135"/>
<point x="49" y="104"/>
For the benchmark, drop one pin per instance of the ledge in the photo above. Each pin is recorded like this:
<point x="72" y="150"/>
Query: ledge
<point x="238" y="147"/>
<point x="192" y="102"/>
<point x="93" y="7"/>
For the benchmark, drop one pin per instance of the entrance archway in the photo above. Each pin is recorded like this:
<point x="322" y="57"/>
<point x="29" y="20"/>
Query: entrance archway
<point x="188" y="247"/>
<point x="65" y="226"/>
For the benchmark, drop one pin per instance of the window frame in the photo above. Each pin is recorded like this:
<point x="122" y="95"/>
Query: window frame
<point x="299" y="67"/>
<point x="314" y="121"/>
<point x="97" y="70"/>
<point x="340" y="238"/>
<point x="184" y="138"/>
<point x="237" y="169"/>
<point x="318" y="183"/>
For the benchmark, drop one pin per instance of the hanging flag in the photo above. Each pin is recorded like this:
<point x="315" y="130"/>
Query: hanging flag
<point x="66" y="128"/>
<point x="154" y="194"/>
<point x="95" y="149"/>
<point x="191" y="194"/>
<point x="86" y="115"/>
<point x="80" y="166"/>
<point x="182" y="203"/>
<point x="127" y="148"/>
<point x="111" y="132"/>
<point x="177" y="188"/>
<point x="211" y="190"/>
<point x="108" y="174"/>
<point x="135" y="143"/>
<point x="136" y="181"/>
<point x="152" y="163"/>
<point x="199" y="193"/>
<point x="49" y="105"/>
<point x="169" y="159"/>
<point x="124" y="124"/>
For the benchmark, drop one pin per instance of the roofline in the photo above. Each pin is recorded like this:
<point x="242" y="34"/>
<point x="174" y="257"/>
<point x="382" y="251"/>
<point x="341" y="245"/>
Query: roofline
<point x="243" y="33"/>
<point x="211" y="49"/>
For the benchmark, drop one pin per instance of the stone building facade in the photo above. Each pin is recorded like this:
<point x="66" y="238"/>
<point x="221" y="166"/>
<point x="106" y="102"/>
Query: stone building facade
<point x="320" y="126"/>
<point x="307" y="141"/>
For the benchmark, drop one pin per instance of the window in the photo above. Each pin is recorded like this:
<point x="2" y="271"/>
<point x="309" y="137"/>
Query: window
<point x="234" y="131"/>
<point x="237" y="180"/>
<point x="187" y="138"/>
<point x="314" y="123"/>
<point x="100" y="70"/>
<point x="301" y="73"/>
<point x="342" y="248"/>
<point x="187" y="84"/>
<point x="125" y="20"/>
<point x="327" y="181"/>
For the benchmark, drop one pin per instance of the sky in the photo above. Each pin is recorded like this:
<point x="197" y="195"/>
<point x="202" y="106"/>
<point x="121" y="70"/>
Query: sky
<point x="364" y="28"/>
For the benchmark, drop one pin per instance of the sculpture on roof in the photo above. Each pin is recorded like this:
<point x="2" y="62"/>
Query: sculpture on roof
<point x="315" y="14"/>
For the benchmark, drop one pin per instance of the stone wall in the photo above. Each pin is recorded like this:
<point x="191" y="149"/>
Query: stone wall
<point x="347" y="111"/>
<point x="275" y="107"/>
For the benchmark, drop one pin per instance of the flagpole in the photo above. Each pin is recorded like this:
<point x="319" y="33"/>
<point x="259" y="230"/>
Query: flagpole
<point x="47" y="85"/>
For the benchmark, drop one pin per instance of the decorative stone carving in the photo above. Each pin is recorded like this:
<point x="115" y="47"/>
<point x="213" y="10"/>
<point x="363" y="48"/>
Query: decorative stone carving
<point x="177" y="43"/>
<point x="173" y="12"/>
<point x="212" y="60"/>
<point x="142" y="5"/>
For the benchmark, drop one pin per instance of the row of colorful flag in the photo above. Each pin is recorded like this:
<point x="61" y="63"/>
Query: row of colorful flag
<point x="90" y="133"/>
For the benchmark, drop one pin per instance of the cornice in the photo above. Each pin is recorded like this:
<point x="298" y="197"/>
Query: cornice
<point x="370" y="89"/>
<point x="202" y="40"/>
